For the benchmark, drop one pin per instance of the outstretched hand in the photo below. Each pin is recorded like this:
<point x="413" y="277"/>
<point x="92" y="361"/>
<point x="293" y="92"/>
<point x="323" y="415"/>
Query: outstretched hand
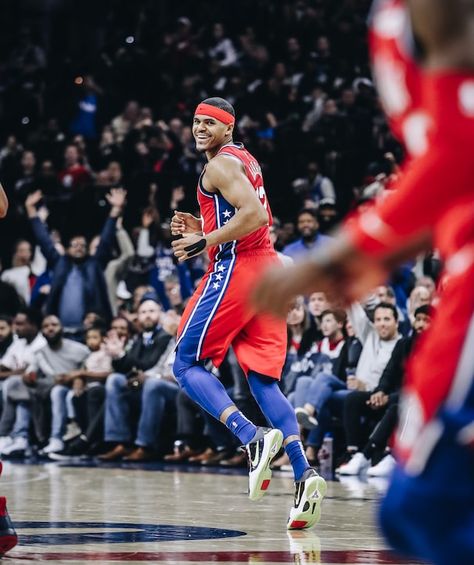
<point x="116" y="198"/>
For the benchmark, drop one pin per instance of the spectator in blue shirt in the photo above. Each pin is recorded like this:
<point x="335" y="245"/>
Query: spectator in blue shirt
<point x="308" y="227"/>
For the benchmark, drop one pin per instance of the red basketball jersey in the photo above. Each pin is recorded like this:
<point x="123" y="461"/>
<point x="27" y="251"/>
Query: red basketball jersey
<point x="397" y="74"/>
<point x="216" y="211"/>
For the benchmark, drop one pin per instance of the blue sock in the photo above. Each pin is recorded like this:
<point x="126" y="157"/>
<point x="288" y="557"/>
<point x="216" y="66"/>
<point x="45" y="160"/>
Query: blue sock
<point x="240" y="426"/>
<point x="297" y="457"/>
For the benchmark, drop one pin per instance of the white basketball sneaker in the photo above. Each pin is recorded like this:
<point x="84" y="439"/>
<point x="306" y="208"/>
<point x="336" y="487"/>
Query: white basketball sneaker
<point x="260" y="452"/>
<point x="309" y="493"/>
<point x="384" y="467"/>
<point x="355" y="466"/>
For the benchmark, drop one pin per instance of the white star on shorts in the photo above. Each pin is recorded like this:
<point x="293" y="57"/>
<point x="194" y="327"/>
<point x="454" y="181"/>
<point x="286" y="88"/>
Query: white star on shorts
<point x="221" y="268"/>
<point x="218" y="277"/>
<point x="216" y="285"/>
<point x="227" y="214"/>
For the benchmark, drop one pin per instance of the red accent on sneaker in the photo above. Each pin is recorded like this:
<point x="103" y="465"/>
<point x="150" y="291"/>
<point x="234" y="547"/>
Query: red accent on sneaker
<point x="3" y="506"/>
<point x="298" y="524"/>
<point x="265" y="484"/>
<point x="6" y="543"/>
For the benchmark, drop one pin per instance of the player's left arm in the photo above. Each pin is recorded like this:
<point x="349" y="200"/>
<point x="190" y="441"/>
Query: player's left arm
<point x="229" y="178"/>
<point x="3" y="202"/>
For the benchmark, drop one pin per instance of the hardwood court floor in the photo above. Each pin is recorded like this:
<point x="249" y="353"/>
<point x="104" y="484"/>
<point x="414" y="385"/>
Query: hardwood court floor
<point x="161" y="514"/>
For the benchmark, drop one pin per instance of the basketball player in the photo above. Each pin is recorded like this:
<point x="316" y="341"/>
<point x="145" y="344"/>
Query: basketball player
<point x="234" y="230"/>
<point x="429" y="509"/>
<point x="8" y="537"/>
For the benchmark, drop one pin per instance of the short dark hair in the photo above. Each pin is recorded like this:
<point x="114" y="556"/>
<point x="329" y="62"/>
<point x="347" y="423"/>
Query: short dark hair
<point x="311" y="211"/>
<point x="220" y="103"/>
<point x="6" y="318"/>
<point x="388" y="306"/>
<point x="33" y="315"/>
<point x="99" y="328"/>
<point x="425" y="309"/>
<point x="339" y="315"/>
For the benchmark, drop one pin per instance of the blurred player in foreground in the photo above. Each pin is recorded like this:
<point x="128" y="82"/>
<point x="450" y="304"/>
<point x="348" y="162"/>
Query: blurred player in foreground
<point x="428" y="96"/>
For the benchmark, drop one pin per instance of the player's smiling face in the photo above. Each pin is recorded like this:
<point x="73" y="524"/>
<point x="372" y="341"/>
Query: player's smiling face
<point x="209" y="132"/>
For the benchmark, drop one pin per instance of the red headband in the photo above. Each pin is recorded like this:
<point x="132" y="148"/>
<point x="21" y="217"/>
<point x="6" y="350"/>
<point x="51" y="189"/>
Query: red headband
<point x="221" y="115"/>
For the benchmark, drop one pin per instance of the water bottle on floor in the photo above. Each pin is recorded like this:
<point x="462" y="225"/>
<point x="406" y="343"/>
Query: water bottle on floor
<point x="325" y="456"/>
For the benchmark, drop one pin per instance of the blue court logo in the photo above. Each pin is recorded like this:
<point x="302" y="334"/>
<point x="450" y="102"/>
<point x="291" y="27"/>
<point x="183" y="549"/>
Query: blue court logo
<point x="134" y="533"/>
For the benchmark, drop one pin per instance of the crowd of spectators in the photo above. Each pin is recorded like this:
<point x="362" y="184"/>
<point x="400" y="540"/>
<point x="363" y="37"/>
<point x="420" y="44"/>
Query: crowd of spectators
<point x="96" y="101"/>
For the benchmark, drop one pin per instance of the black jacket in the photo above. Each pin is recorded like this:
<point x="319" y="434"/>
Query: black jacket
<point x="392" y="377"/>
<point x="140" y="356"/>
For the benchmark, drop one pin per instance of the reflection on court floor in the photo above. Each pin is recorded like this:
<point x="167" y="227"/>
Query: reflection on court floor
<point x="162" y="514"/>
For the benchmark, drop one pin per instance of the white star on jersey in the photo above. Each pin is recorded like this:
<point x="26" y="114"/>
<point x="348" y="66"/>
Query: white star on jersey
<point x="227" y="214"/>
<point x="221" y="268"/>
<point x="218" y="277"/>
<point x="216" y="286"/>
<point x="225" y="222"/>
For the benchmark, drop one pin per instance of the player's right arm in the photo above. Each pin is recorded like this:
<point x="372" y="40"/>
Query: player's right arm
<point x="3" y="202"/>
<point x="228" y="177"/>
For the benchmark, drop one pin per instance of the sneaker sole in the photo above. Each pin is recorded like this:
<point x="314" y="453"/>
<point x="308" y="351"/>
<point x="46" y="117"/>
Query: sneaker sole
<point x="308" y="518"/>
<point x="304" y="419"/>
<point x="261" y="479"/>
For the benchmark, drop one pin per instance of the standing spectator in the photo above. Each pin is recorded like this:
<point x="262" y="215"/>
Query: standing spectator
<point x="74" y="175"/>
<point x="136" y="369"/>
<point x="116" y="268"/>
<point x="78" y="284"/>
<point x="20" y="276"/>
<point x="308" y="228"/>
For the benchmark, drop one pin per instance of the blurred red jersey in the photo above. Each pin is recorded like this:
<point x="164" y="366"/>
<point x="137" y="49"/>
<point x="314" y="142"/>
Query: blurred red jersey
<point x="216" y="211"/>
<point x="396" y="72"/>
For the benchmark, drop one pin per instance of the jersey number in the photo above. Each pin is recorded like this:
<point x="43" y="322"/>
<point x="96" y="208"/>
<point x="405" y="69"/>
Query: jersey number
<point x="262" y="196"/>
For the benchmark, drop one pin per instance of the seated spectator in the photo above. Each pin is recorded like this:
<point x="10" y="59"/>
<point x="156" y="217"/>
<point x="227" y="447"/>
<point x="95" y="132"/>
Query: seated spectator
<point x="325" y="397"/>
<point x="317" y="304"/>
<point x="6" y="335"/>
<point x="419" y="296"/>
<point x="26" y="325"/>
<point x="78" y="283"/>
<point x="28" y="393"/>
<point x="308" y="227"/>
<point x="315" y="186"/>
<point x="85" y="400"/>
<point x="136" y="370"/>
<point x="54" y="369"/>
<point x="363" y="408"/>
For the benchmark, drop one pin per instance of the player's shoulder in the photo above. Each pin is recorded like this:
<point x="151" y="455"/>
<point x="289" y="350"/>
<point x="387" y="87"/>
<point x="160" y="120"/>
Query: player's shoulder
<point x="223" y="163"/>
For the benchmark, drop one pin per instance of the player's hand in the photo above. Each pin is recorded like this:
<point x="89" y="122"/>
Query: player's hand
<point x="189" y="246"/>
<point x="279" y="286"/>
<point x="183" y="223"/>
